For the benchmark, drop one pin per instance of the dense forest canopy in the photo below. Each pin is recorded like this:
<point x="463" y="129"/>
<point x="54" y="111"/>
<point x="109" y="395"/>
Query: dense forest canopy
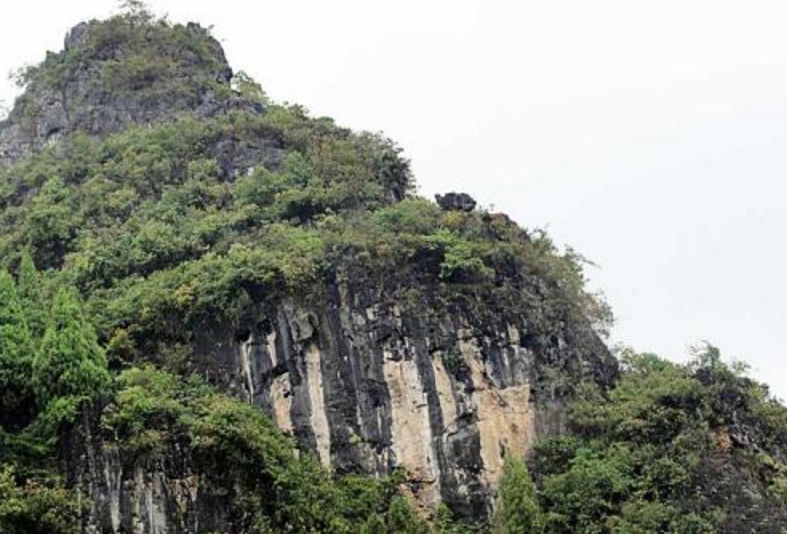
<point x="115" y="248"/>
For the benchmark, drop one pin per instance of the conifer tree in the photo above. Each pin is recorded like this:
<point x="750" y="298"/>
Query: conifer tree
<point x="16" y="353"/>
<point x="15" y="335"/>
<point x="70" y="362"/>
<point x="31" y="295"/>
<point x="517" y="508"/>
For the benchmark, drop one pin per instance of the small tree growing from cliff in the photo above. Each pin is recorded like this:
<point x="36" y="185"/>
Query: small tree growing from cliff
<point x="517" y="510"/>
<point x="446" y="523"/>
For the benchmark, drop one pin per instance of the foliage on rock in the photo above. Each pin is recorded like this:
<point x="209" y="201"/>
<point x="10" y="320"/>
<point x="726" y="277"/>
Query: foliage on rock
<point x="689" y="449"/>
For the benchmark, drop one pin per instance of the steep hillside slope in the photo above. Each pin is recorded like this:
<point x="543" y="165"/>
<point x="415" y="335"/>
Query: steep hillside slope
<point x="222" y="314"/>
<point x="285" y="260"/>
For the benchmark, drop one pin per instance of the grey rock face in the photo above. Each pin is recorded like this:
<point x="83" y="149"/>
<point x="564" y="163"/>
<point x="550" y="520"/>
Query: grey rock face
<point x="76" y="36"/>
<point x="166" y="495"/>
<point x="84" y="99"/>
<point x="371" y="379"/>
<point x="456" y="202"/>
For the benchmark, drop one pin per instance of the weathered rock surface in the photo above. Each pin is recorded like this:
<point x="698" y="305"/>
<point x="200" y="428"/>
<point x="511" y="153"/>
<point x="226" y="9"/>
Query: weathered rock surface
<point x="166" y="494"/>
<point x="456" y="202"/>
<point x="85" y="100"/>
<point x="372" y="376"/>
<point x="372" y="382"/>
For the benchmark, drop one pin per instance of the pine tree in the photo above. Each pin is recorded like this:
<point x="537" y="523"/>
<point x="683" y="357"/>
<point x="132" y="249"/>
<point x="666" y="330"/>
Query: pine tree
<point x="517" y="509"/>
<point x="70" y="362"/>
<point x="16" y="354"/>
<point x="31" y="295"/>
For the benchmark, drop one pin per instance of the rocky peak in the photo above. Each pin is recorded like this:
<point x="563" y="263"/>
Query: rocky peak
<point x="111" y="74"/>
<point x="456" y="202"/>
<point x="76" y="36"/>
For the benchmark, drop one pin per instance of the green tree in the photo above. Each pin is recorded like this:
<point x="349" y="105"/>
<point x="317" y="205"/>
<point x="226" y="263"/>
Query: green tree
<point x="446" y="523"/>
<point x="249" y="88"/>
<point x="403" y="519"/>
<point x="31" y="295"/>
<point x="136" y="10"/>
<point x="517" y="508"/>
<point x="588" y="494"/>
<point x="16" y="352"/>
<point x="51" y="224"/>
<point x="35" y="509"/>
<point x="70" y="362"/>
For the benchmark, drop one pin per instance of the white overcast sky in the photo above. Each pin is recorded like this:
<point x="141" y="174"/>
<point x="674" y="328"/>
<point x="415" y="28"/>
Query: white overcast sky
<point x="651" y="136"/>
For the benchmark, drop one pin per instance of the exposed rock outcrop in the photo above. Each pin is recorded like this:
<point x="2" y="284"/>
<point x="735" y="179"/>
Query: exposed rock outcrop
<point x="106" y="83"/>
<point x="371" y="382"/>
<point x="456" y="202"/>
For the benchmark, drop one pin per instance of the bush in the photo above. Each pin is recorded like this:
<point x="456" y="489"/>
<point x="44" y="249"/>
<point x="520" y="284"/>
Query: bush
<point x="654" y="453"/>
<point x="36" y="509"/>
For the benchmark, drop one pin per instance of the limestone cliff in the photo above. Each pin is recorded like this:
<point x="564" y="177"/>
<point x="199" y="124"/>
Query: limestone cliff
<point x="371" y="383"/>
<point x="373" y="371"/>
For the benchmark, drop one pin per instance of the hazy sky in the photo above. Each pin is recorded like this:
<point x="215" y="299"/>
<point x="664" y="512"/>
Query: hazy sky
<point x="651" y="136"/>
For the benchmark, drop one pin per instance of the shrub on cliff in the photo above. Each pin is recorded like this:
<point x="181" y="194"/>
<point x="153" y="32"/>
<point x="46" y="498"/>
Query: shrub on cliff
<point x="664" y="451"/>
<point x="36" y="509"/>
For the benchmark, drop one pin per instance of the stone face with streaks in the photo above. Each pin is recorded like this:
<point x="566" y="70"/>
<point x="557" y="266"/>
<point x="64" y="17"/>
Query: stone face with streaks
<point x="370" y="382"/>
